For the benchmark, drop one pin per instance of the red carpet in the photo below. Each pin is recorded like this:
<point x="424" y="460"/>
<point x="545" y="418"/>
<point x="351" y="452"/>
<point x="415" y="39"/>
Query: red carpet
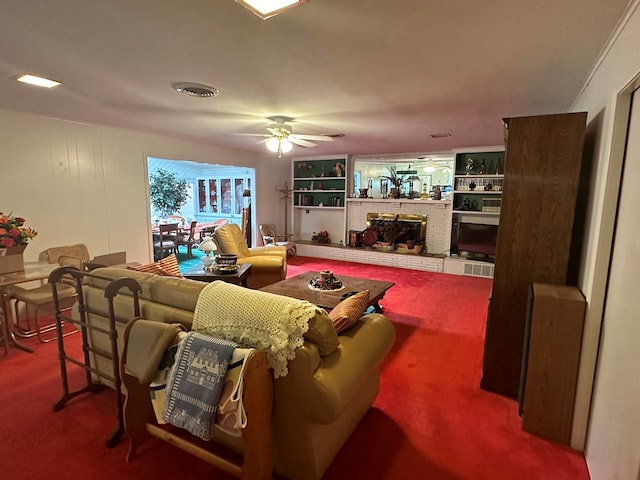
<point x="430" y="420"/>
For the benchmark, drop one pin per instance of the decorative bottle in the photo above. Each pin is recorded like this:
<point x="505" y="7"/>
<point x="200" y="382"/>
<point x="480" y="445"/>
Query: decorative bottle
<point x="499" y="169"/>
<point x="483" y="168"/>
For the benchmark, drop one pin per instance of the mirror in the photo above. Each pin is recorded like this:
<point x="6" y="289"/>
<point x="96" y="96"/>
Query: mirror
<point x="419" y="174"/>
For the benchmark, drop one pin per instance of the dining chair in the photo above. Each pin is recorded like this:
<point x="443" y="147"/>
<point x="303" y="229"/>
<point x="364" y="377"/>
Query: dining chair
<point x="165" y="243"/>
<point x="188" y="238"/>
<point x="271" y="237"/>
<point x="177" y="218"/>
<point x="38" y="303"/>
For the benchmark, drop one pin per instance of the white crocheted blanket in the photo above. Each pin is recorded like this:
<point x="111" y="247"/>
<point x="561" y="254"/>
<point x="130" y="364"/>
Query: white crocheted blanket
<point x="268" y="322"/>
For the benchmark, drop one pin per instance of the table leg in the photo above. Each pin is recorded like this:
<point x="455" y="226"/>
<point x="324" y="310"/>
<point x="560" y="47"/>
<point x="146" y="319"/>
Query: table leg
<point x="8" y="332"/>
<point x="5" y="334"/>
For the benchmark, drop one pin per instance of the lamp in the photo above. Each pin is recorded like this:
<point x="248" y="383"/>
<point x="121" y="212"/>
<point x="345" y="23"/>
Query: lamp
<point x="412" y="179"/>
<point x="279" y="144"/>
<point x="207" y="246"/>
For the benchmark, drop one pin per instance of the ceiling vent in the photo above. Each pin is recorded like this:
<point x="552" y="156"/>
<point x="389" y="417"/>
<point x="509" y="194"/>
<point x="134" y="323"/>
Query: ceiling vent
<point x="196" y="89"/>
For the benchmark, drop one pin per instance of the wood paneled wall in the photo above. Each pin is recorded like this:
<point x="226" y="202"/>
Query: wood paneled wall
<point x="77" y="182"/>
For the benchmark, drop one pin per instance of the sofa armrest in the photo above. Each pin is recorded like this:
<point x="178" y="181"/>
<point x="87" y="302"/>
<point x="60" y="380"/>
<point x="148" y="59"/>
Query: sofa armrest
<point x="338" y="376"/>
<point x="263" y="262"/>
<point x="268" y="250"/>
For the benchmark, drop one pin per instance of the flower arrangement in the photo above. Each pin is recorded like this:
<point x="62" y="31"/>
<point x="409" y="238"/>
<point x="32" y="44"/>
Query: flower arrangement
<point x="13" y="232"/>
<point x="321" y="237"/>
<point x="326" y="281"/>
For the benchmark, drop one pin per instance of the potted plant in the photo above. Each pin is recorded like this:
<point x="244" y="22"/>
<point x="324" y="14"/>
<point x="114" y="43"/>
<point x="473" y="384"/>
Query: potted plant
<point x="321" y="237"/>
<point x="396" y="180"/>
<point x="166" y="193"/>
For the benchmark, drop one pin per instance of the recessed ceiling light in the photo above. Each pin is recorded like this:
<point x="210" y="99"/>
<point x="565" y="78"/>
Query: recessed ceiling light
<point x="268" y="8"/>
<point x="38" y="81"/>
<point x="196" y="89"/>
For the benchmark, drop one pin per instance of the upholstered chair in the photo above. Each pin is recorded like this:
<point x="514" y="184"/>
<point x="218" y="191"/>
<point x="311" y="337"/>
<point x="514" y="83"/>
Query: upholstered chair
<point x="35" y="304"/>
<point x="269" y="264"/>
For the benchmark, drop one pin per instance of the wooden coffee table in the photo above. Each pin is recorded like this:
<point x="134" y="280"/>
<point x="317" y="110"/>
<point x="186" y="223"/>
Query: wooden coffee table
<point x="298" y="287"/>
<point x="238" y="277"/>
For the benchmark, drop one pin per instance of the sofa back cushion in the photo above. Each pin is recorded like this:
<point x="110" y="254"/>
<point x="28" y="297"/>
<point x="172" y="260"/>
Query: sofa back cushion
<point x="176" y="292"/>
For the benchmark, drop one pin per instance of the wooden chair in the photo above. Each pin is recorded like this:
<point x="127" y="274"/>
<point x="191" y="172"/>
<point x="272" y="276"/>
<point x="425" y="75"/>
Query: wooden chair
<point x="188" y="239"/>
<point x="165" y="242"/>
<point x="271" y="237"/>
<point x="177" y="218"/>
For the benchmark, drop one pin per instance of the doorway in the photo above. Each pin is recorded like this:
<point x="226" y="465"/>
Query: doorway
<point x="215" y="192"/>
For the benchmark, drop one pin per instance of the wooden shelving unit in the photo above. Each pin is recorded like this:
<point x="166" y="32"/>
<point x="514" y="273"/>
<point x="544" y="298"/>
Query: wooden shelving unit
<point x="542" y="169"/>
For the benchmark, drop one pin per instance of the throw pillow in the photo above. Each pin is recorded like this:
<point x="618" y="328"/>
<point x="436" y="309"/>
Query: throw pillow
<point x="348" y="311"/>
<point x="167" y="267"/>
<point x="322" y="333"/>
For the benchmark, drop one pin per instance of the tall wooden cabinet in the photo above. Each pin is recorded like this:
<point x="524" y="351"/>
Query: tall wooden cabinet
<point x="542" y="168"/>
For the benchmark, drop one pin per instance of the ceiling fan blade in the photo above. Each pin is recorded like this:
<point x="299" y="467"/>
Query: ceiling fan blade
<point x="254" y="134"/>
<point x="300" y="142"/>
<point x="317" y="138"/>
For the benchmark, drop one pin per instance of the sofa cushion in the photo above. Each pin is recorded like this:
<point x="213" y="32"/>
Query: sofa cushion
<point x="176" y="292"/>
<point x="348" y="311"/>
<point x="167" y="267"/>
<point x="323" y="334"/>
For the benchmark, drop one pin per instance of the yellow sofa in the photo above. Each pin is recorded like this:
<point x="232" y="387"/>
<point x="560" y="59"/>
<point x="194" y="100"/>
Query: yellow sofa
<point x="331" y="383"/>
<point x="269" y="264"/>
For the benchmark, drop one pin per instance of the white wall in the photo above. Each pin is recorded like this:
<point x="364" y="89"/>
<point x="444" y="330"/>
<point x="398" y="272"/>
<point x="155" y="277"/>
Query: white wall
<point x="613" y="438"/>
<point x="77" y="182"/>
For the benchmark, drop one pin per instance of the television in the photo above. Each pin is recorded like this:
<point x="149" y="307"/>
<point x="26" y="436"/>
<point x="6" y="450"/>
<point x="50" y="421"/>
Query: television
<point x="477" y="240"/>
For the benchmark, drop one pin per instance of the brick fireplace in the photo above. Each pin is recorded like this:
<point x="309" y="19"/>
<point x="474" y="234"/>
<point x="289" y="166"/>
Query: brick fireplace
<point x="437" y="228"/>
<point x="405" y="232"/>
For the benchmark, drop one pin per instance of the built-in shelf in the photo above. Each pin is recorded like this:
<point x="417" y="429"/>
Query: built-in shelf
<point x="479" y="192"/>
<point x="317" y="207"/>
<point x="474" y="212"/>
<point x="396" y="200"/>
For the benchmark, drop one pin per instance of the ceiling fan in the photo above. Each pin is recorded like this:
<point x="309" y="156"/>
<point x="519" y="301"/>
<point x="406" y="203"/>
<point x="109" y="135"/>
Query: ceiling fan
<point x="281" y="138"/>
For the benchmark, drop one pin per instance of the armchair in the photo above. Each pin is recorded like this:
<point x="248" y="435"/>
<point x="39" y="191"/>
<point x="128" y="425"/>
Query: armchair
<point x="269" y="264"/>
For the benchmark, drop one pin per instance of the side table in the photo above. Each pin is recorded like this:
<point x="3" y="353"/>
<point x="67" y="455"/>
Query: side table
<point x="238" y="277"/>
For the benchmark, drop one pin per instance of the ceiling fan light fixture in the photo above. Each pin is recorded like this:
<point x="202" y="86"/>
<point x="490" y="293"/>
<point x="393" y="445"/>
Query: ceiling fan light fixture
<point x="268" y="8"/>
<point x="196" y="90"/>
<point x="273" y="144"/>
<point x="285" y="145"/>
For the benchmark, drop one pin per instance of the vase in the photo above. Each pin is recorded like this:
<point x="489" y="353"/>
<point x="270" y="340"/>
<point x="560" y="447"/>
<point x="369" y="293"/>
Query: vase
<point x="11" y="259"/>
<point x="326" y="274"/>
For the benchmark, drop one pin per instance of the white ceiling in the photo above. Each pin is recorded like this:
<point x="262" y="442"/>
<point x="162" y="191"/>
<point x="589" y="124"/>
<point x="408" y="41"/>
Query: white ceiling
<point x="387" y="74"/>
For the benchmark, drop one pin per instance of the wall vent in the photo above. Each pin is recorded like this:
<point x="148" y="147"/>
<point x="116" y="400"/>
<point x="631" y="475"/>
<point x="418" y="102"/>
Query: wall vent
<point x="478" y="270"/>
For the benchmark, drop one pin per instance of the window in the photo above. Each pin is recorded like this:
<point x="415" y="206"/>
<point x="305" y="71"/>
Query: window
<point x="222" y="195"/>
